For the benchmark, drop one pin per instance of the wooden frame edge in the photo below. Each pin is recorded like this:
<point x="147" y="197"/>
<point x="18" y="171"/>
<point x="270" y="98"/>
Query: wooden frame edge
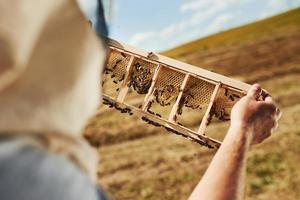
<point x="180" y="65"/>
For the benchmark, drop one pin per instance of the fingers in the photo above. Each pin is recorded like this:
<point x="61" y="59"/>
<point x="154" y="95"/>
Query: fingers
<point x="271" y="124"/>
<point x="274" y="128"/>
<point x="254" y="92"/>
<point x="274" y="110"/>
<point x="264" y="94"/>
<point x="269" y="99"/>
<point x="278" y="114"/>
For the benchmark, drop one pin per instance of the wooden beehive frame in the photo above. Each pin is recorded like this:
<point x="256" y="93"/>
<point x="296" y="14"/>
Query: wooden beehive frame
<point x="189" y="71"/>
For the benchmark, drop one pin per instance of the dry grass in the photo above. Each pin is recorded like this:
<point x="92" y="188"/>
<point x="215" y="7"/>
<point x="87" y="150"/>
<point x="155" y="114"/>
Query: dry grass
<point x="139" y="161"/>
<point x="168" y="167"/>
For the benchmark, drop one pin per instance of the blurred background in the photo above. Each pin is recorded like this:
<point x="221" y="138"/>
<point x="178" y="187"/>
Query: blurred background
<point x="250" y="40"/>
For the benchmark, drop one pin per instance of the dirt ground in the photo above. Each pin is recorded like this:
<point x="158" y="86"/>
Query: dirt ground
<point x="139" y="161"/>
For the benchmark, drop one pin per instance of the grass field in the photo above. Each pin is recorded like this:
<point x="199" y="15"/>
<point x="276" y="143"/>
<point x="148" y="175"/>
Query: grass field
<point x="139" y="161"/>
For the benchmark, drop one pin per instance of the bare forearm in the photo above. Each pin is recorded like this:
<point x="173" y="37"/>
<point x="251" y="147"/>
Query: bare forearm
<point x="224" y="179"/>
<point x="252" y="121"/>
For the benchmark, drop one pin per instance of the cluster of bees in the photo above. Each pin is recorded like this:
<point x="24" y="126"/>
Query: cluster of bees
<point x="218" y="111"/>
<point x="185" y="100"/>
<point x="147" y="120"/>
<point x="200" y="141"/>
<point x="149" y="107"/>
<point x="140" y="78"/>
<point x="112" y="104"/>
<point x="164" y="95"/>
<point x="231" y="96"/>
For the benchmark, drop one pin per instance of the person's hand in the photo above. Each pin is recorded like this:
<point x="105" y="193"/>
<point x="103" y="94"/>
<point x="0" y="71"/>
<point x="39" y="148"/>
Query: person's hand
<point x="257" y="118"/>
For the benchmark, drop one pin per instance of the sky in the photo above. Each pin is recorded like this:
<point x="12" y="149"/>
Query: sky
<point x="156" y="25"/>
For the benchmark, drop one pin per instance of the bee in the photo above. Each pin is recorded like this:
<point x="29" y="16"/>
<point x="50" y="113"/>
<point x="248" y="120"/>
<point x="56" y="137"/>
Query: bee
<point x="211" y="114"/>
<point x="226" y="92"/>
<point x="150" y="54"/>
<point x="192" y="106"/>
<point x="122" y="78"/>
<point x="157" y="114"/>
<point x="105" y="102"/>
<point x="115" y="66"/>
<point x="149" y="105"/>
<point x="118" y="61"/>
<point x="151" y="112"/>
<point x="236" y="96"/>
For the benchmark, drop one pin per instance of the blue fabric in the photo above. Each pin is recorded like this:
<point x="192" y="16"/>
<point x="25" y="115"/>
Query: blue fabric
<point x="101" y="26"/>
<point x="30" y="173"/>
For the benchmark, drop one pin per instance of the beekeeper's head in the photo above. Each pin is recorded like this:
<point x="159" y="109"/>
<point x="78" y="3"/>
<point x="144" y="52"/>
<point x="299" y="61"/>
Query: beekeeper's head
<point x="50" y="66"/>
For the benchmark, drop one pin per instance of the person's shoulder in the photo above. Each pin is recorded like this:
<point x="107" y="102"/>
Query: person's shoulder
<point x="31" y="173"/>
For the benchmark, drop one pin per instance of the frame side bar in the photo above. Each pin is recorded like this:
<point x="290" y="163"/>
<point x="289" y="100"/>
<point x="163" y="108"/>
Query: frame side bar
<point x="148" y="95"/>
<point x="124" y="88"/>
<point x="175" y="106"/>
<point x="204" y="121"/>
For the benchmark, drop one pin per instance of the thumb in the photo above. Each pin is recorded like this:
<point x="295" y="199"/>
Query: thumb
<point x="254" y="92"/>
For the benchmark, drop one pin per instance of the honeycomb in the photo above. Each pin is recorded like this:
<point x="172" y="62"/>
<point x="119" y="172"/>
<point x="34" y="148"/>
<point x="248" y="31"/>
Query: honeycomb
<point x="114" y="71"/>
<point x="167" y="86"/>
<point x="116" y="65"/>
<point x="196" y="94"/>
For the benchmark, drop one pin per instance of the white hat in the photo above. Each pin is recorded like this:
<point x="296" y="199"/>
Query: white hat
<point x="50" y="63"/>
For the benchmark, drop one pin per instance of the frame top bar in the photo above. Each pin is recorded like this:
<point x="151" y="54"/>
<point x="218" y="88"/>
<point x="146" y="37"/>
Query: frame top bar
<point x="244" y="87"/>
